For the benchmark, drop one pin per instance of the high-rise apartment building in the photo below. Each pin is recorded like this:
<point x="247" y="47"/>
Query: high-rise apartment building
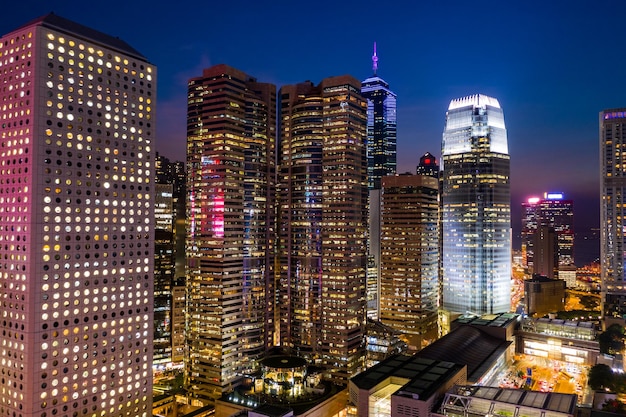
<point x="76" y="222"/>
<point x="381" y="161"/>
<point x="410" y="257"/>
<point x="476" y="208"/>
<point x="554" y="211"/>
<point x="323" y="223"/>
<point x="613" y="210"/>
<point x="231" y="122"/>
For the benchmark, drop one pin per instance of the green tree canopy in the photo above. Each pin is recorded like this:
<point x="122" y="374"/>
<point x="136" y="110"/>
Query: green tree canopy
<point x="601" y="377"/>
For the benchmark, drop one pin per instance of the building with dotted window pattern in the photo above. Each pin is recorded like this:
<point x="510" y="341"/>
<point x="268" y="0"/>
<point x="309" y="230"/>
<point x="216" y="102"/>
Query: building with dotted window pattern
<point x="76" y="244"/>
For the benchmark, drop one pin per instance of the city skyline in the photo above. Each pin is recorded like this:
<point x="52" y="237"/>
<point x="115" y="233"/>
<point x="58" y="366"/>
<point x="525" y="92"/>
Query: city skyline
<point x="543" y="69"/>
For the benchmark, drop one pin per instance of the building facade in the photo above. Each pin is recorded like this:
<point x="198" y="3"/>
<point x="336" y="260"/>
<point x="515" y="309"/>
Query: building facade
<point x="323" y="223"/>
<point x="230" y="239"/>
<point x="613" y="210"/>
<point x="410" y="257"/>
<point x="553" y="211"/>
<point x="543" y="295"/>
<point x="76" y="223"/>
<point x="164" y="268"/>
<point x="476" y="203"/>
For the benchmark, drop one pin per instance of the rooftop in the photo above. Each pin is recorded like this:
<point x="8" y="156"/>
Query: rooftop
<point x="424" y="375"/>
<point x="469" y="346"/>
<point x="551" y="401"/>
<point x="55" y="22"/>
<point x="493" y="320"/>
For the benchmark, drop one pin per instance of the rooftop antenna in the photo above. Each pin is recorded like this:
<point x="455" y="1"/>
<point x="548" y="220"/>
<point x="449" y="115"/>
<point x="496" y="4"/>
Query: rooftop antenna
<point x="375" y="60"/>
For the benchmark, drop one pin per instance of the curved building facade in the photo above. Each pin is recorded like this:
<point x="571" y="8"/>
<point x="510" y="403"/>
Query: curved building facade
<point x="476" y="208"/>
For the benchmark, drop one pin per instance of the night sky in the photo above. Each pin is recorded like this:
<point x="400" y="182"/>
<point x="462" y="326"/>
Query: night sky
<point x="552" y="64"/>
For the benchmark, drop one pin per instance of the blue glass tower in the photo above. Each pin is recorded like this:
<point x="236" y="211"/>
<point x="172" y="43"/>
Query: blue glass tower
<point x="381" y="127"/>
<point x="476" y="208"/>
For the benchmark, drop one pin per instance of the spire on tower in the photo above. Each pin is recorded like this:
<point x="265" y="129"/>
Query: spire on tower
<point x="375" y="60"/>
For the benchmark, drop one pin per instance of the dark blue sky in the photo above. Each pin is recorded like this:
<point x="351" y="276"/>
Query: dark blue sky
<point x="552" y="64"/>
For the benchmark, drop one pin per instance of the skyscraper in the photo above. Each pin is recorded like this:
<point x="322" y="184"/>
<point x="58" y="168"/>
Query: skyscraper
<point x="323" y="179"/>
<point x="476" y="208"/>
<point x="164" y="268"/>
<point x="428" y="166"/>
<point x="76" y="222"/>
<point x="381" y="127"/>
<point x="231" y="172"/>
<point x="381" y="161"/>
<point x="554" y="211"/>
<point x="410" y="257"/>
<point x="613" y="210"/>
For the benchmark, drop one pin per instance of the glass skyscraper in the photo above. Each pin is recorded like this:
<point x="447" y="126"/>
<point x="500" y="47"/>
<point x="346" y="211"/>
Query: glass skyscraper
<point x="613" y="210"/>
<point x="476" y="208"/>
<point x="381" y="127"/>
<point x="381" y="161"/>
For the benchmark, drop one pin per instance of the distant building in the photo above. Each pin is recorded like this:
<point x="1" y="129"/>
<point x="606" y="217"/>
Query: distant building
<point x="409" y="281"/>
<point x="613" y="211"/>
<point x="169" y="267"/>
<point x="545" y="252"/>
<point x="428" y="166"/>
<point x="164" y="268"/>
<point x="551" y="211"/>
<point x="381" y="127"/>
<point x="476" y="208"/>
<point x="381" y="342"/>
<point x="77" y="156"/>
<point x="543" y="295"/>
<point x="323" y="223"/>
<point x="381" y="161"/>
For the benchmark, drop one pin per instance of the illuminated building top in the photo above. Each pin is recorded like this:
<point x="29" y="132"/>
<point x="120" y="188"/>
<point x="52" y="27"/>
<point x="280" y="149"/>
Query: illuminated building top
<point x="381" y="127"/>
<point x="470" y="117"/>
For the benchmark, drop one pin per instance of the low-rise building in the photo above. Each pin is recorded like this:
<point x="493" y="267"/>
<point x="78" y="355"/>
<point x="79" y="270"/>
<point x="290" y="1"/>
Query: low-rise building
<point x="404" y="386"/>
<point x="472" y="401"/>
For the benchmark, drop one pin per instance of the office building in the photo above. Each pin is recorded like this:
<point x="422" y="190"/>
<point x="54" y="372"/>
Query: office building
<point x="428" y="166"/>
<point x="323" y="223"/>
<point x="613" y="210"/>
<point x="230" y="242"/>
<point x="410" y="257"/>
<point x="164" y="268"/>
<point x="476" y="202"/>
<point x="545" y="252"/>
<point x="76" y="222"/>
<point x="553" y="211"/>
<point x="543" y="295"/>
<point x="381" y="127"/>
<point x="169" y="275"/>
<point x="381" y="161"/>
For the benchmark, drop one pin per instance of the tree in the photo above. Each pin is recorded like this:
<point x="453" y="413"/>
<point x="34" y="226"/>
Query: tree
<point x="612" y="340"/>
<point x="601" y="377"/>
